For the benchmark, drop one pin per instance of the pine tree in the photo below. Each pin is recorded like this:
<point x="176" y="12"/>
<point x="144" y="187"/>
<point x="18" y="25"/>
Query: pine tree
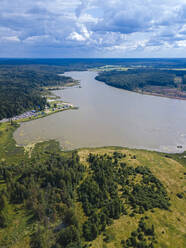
<point x="4" y="211"/>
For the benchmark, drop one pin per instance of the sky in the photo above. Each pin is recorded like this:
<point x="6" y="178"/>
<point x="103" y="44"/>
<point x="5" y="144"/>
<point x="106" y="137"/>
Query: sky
<point x="92" y="28"/>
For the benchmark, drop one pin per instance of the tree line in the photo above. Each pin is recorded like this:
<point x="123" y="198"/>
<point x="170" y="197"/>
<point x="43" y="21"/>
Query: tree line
<point x="133" y="79"/>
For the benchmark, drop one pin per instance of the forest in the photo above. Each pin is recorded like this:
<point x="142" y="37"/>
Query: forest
<point x="133" y="79"/>
<point x="21" y="87"/>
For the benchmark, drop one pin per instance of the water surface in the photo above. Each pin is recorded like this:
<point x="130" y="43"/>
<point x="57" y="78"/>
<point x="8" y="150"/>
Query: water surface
<point x="110" y="116"/>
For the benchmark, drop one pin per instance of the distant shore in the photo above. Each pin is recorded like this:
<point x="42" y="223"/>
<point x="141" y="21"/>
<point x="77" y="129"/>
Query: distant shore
<point x="152" y="93"/>
<point x="159" y="94"/>
<point x="173" y="91"/>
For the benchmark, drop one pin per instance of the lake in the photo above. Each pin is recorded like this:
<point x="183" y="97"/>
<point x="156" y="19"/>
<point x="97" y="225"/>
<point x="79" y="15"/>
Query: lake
<point x="108" y="116"/>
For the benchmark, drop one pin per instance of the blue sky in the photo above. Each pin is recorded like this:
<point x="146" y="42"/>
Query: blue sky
<point x="92" y="28"/>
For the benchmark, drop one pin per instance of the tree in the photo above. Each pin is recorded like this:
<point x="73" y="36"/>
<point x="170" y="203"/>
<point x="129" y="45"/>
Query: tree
<point x="90" y="231"/>
<point x="38" y="240"/>
<point x="4" y="211"/>
<point x="69" y="235"/>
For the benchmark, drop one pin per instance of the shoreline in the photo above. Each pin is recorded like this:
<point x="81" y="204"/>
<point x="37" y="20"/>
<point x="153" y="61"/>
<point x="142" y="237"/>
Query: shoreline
<point x="158" y="94"/>
<point x="45" y="115"/>
<point x="58" y="87"/>
<point x="146" y="92"/>
<point x="31" y="118"/>
<point x="140" y="91"/>
<point x="28" y="148"/>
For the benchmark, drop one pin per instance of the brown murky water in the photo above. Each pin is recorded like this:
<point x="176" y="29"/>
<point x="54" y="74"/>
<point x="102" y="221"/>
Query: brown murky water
<point x="110" y="116"/>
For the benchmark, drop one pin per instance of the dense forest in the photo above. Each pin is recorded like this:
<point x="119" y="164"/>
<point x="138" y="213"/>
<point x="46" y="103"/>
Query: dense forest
<point x="49" y="186"/>
<point x="133" y="79"/>
<point x="21" y="87"/>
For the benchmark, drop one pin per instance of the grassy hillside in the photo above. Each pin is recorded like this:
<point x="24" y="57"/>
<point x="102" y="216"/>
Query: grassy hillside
<point x="170" y="225"/>
<point x="43" y="195"/>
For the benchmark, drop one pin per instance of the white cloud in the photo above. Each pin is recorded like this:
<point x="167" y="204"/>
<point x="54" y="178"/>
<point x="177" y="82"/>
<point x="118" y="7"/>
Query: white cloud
<point x="76" y="36"/>
<point x="10" y="39"/>
<point x="181" y="43"/>
<point x="87" y="18"/>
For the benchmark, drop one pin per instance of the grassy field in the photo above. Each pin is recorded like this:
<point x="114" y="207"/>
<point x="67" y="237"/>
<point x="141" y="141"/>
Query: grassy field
<point x="170" y="225"/>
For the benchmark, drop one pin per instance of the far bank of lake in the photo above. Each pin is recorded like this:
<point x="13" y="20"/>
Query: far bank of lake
<point x="108" y="116"/>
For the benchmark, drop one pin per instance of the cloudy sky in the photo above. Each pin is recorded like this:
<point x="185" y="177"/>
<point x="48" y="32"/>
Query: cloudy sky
<point x="93" y="28"/>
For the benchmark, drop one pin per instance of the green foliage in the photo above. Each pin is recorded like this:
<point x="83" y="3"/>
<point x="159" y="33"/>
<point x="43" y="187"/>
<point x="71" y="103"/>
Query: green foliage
<point x="69" y="237"/>
<point x="138" y="78"/>
<point x="99" y="192"/>
<point x="4" y="210"/>
<point x="147" y="194"/>
<point x="49" y="184"/>
<point x="38" y="240"/>
<point x="152" y="80"/>
<point x="143" y="237"/>
<point x="20" y="87"/>
<point x="70" y="218"/>
<point x="42" y="187"/>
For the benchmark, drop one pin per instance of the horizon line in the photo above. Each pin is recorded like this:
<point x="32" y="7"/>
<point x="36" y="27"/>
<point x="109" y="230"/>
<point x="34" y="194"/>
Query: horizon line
<point x="92" y="58"/>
